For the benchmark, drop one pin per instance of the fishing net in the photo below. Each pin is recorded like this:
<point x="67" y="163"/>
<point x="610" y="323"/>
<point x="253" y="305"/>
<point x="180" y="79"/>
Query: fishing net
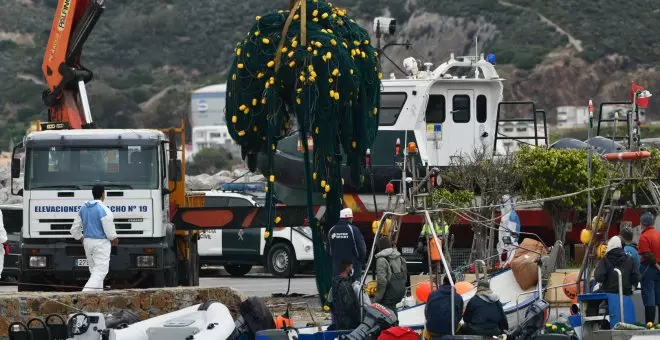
<point x="316" y="64"/>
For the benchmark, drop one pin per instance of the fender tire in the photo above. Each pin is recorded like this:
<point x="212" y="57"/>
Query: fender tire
<point x="282" y="260"/>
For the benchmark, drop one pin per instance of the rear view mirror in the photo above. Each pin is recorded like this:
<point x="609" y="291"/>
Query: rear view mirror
<point x="15" y="168"/>
<point x="175" y="170"/>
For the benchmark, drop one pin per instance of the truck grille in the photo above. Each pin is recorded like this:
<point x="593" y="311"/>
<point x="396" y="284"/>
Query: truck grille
<point x="61" y="227"/>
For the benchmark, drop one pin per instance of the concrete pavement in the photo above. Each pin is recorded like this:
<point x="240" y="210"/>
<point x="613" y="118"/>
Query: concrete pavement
<point x="256" y="283"/>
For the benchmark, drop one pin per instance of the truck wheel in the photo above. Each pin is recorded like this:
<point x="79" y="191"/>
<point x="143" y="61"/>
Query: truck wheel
<point x="282" y="260"/>
<point x="238" y="270"/>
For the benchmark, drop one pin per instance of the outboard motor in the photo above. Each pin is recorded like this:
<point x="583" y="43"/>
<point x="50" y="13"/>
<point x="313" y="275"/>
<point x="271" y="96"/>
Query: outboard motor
<point x="255" y="317"/>
<point x="533" y="323"/>
<point x="376" y="319"/>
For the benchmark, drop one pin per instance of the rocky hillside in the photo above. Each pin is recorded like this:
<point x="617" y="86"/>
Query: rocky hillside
<point x="147" y="55"/>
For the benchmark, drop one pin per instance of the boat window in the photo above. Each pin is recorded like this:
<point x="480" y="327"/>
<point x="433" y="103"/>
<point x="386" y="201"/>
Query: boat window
<point x="461" y="108"/>
<point x="481" y="109"/>
<point x="391" y="105"/>
<point x="435" y="110"/>
<point x="239" y="202"/>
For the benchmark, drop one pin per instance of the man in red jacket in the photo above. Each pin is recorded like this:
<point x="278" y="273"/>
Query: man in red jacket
<point x="649" y="251"/>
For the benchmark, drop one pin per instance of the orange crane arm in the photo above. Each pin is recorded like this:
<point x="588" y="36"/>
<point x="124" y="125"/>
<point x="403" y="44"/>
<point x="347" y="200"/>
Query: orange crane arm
<point x="66" y="96"/>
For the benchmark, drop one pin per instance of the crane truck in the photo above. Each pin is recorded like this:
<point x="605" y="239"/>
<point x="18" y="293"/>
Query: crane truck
<point x="140" y="169"/>
<point x="158" y="222"/>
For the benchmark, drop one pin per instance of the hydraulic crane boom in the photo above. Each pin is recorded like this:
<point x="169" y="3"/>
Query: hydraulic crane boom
<point x="66" y="96"/>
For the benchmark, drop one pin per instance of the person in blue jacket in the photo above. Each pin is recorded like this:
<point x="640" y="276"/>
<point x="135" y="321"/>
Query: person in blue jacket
<point x="629" y="246"/>
<point x="346" y="243"/>
<point x="438" y="310"/>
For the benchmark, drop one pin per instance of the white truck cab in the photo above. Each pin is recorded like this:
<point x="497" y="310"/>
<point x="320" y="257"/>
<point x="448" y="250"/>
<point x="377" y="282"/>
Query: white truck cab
<point x="239" y="250"/>
<point x="61" y="167"/>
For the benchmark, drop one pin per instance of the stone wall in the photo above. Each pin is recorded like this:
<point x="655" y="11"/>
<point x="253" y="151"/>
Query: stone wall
<point x="144" y="302"/>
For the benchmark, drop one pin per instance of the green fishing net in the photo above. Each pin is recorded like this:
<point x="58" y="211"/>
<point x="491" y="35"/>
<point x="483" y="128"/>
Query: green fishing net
<point x="328" y="80"/>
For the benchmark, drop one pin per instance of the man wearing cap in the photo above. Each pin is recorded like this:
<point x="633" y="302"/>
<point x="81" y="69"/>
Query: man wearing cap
<point x="649" y="250"/>
<point x="347" y="244"/>
<point x="484" y="314"/>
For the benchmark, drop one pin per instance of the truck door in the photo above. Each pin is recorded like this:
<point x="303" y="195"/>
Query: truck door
<point x="244" y="241"/>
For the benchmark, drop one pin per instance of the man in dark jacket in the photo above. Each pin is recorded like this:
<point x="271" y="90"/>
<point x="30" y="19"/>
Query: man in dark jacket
<point x="438" y="310"/>
<point x="347" y="244"/>
<point x="484" y="314"/>
<point x="615" y="257"/>
<point x="391" y="275"/>
<point x="345" y="308"/>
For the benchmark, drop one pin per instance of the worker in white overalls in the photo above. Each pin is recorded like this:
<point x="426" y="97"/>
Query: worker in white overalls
<point x="94" y="225"/>
<point x="509" y="226"/>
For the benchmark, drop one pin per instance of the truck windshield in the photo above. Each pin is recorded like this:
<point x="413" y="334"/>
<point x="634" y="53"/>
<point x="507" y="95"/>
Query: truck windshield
<point x="121" y="167"/>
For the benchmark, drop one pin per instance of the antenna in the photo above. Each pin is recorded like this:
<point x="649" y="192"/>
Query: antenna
<point x="476" y="43"/>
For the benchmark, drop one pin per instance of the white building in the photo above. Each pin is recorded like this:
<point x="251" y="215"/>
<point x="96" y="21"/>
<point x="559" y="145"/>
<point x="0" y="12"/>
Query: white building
<point x="207" y="106"/>
<point x="207" y="119"/>
<point x="570" y="117"/>
<point x="213" y="137"/>
<point x="522" y="130"/>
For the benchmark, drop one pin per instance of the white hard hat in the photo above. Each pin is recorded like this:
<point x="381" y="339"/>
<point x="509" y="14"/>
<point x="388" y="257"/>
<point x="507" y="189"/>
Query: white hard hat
<point x="346" y="213"/>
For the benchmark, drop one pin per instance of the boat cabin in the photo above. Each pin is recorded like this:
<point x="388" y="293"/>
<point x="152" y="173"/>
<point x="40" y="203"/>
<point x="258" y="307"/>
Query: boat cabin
<point x="454" y="109"/>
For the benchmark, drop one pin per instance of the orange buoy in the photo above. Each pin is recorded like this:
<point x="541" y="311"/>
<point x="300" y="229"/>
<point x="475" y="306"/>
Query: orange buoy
<point x="463" y="287"/>
<point x="626" y="156"/>
<point x="282" y="322"/>
<point x="423" y="291"/>
<point x="435" y="255"/>
<point x="571" y="291"/>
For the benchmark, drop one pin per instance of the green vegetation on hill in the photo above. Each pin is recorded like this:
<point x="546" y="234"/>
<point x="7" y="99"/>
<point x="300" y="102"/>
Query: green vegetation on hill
<point x="140" y="48"/>
<point x="523" y="40"/>
<point x="606" y="26"/>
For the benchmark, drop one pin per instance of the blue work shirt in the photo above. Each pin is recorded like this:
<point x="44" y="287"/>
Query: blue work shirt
<point x="631" y="250"/>
<point x="93" y="214"/>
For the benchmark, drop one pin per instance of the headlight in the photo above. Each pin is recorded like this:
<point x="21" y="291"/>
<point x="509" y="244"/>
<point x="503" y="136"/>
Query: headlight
<point x="37" y="262"/>
<point x="145" y="261"/>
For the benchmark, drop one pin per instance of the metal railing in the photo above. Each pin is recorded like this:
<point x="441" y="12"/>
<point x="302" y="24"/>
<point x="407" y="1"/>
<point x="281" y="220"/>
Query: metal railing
<point x="618" y="272"/>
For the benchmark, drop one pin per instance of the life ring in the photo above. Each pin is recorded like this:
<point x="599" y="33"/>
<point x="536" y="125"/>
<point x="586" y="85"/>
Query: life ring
<point x="626" y="156"/>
